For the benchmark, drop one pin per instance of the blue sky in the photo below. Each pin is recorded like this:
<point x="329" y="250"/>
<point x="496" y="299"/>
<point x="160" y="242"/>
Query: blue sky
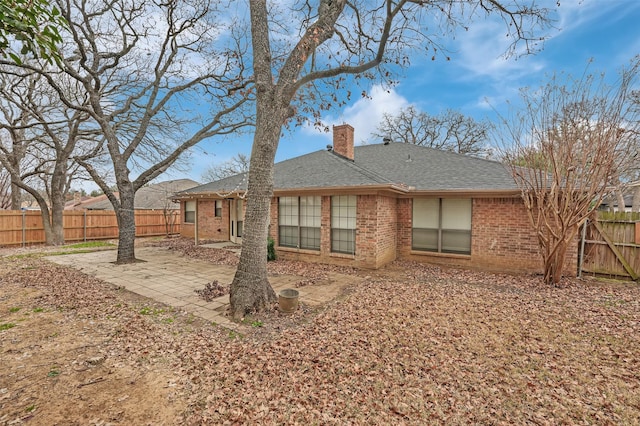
<point x="476" y="80"/>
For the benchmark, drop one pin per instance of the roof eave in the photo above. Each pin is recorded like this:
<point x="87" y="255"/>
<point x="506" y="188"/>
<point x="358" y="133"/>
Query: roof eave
<point x="502" y="193"/>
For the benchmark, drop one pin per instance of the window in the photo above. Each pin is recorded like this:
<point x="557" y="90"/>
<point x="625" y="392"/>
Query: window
<point x="190" y="212"/>
<point x="343" y="224"/>
<point x="299" y="222"/>
<point x="218" y="208"/>
<point x="442" y="225"/>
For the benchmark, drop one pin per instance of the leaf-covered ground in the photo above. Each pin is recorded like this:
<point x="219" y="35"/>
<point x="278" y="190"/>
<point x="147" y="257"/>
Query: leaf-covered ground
<point x="412" y="344"/>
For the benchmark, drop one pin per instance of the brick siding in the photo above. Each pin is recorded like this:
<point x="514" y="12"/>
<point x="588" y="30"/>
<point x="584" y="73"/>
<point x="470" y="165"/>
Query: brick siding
<point x="501" y="237"/>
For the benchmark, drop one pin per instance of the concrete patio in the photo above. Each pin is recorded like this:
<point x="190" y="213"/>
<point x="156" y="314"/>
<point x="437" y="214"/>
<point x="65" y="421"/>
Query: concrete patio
<point x="170" y="278"/>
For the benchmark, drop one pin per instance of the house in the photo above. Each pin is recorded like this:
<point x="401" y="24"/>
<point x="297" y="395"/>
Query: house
<point x="631" y="194"/>
<point x="368" y="205"/>
<point x="151" y="197"/>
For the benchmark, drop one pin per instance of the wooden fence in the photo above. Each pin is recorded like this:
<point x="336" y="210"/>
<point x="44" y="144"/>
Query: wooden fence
<point x="611" y="246"/>
<point x="25" y="227"/>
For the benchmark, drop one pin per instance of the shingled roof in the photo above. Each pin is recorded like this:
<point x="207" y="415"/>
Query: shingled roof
<point x="396" y="166"/>
<point x="152" y="197"/>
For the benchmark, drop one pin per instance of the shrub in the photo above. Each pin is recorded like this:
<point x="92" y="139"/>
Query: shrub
<point x="271" y="250"/>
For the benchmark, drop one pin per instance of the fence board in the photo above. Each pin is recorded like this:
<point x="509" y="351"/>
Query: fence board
<point x="599" y="256"/>
<point x="25" y="227"/>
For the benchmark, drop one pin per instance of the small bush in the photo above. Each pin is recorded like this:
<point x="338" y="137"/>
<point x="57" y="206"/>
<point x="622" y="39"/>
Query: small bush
<point x="271" y="249"/>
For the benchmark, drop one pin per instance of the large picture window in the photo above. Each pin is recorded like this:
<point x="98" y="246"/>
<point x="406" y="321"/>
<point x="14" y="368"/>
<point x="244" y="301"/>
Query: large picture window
<point x="299" y="222"/>
<point x="442" y="225"/>
<point x="343" y="224"/>
<point x="190" y="212"/>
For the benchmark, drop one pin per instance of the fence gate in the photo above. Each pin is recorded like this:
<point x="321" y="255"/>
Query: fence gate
<point x="610" y="246"/>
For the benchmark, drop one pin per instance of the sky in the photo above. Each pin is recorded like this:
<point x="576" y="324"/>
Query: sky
<point x="603" y="35"/>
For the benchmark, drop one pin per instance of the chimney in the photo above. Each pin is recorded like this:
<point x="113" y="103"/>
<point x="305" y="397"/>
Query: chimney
<point x="343" y="140"/>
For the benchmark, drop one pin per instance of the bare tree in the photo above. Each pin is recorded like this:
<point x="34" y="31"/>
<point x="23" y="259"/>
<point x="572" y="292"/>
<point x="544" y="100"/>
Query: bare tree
<point x="45" y="133"/>
<point x="448" y="131"/>
<point x="297" y="49"/>
<point x="5" y="189"/>
<point x="236" y="165"/>
<point x="156" y="81"/>
<point x="581" y="129"/>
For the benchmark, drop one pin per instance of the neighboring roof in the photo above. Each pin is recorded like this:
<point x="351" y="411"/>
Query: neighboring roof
<point x="84" y="203"/>
<point x="628" y="201"/>
<point x="151" y="197"/>
<point x="399" y="166"/>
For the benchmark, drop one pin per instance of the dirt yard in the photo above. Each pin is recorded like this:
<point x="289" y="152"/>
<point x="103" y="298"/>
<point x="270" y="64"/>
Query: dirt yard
<point x="411" y="344"/>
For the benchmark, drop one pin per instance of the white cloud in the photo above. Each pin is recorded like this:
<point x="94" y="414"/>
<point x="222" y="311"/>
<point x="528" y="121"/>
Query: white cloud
<point x="365" y="114"/>
<point x="481" y="51"/>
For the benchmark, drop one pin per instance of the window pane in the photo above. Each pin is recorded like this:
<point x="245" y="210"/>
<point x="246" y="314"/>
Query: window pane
<point x="456" y="242"/>
<point x="426" y="212"/>
<point x="343" y="241"/>
<point x="288" y="236"/>
<point x="310" y="238"/>
<point x="288" y="211"/>
<point x="456" y="214"/>
<point x="424" y="239"/>
<point x="189" y="217"/>
<point x="310" y="211"/>
<point x="218" y="208"/>
<point x="190" y="206"/>
<point x="343" y="211"/>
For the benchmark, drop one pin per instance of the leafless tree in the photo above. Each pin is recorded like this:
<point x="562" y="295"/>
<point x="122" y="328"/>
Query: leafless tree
<point x="582" y="130"/>
<point x="42" y="135"/>
<point x="236" y="165"/>
<point x="159" y="77"/>
<point x="5" y="189"/>
<point x="448" y="131"/>
<point x="322" y="45"/>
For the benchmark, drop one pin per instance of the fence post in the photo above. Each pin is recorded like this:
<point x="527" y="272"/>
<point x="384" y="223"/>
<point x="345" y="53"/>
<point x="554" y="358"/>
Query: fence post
<point x="24" y="224"/>
<point x="84" y="225"/>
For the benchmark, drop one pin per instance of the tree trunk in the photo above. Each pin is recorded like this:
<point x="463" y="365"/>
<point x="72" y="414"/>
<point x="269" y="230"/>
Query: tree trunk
<point x="620" y="199"/>
<point x="58" y="181"/>
<point x="250" y="290"/>
<point x="126" y="225"/>
<point x="16" y="197"/>
<point x="554" y="264"/>
<point x="635" y="205"/>
<point x="56" y="236"/>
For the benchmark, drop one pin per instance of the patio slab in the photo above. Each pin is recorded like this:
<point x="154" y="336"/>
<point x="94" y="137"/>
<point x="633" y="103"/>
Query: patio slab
<point x="170" y="278"/>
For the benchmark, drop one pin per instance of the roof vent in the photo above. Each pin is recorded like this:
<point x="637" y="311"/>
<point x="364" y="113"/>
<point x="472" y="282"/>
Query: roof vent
<point x="329" y="147"/>
<point x="386" y="140"/>
<point x="408" y="160"/>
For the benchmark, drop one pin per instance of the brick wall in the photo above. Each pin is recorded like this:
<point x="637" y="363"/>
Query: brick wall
<point x="186" y="229"/>
<point x="502" y="239"/>
<point x="386" y="244"/>
<point x="501" y="236"/>
<point x="209" y="226"/>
